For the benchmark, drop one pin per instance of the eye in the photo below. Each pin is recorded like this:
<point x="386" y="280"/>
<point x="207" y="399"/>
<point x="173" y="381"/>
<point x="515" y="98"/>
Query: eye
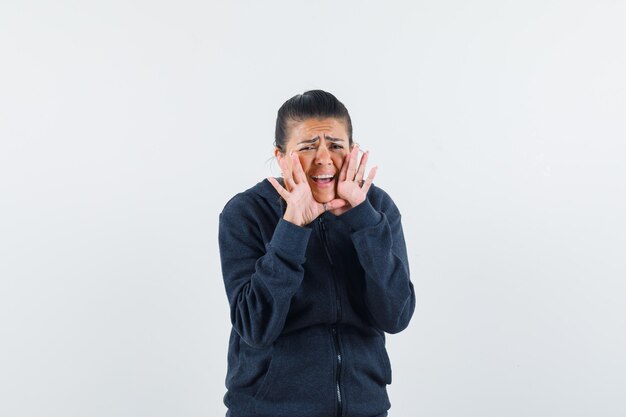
<point x="305" y="148"/>
<point x="335" y="146"/>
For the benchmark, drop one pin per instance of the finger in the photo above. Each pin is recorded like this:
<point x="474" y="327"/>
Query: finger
<point x="344" y="168"/>
<point x="298" y="173"/>
<point x="369" y="179"/>
<point x="279" y="188"/>
<point x="290" y="183"/>
<point x="361" y="171"/>
<point x="336" y="203"/>
<point x="283" y="166"/>
<point x="352" y="163"/>
<point x="284" y="169"/>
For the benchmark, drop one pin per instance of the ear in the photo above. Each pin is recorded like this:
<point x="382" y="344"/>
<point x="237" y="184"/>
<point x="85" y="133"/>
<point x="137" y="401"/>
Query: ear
<point x="279" y="155"/>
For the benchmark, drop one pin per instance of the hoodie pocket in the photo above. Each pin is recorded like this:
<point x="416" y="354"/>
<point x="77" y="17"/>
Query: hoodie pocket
<point x="384" y="357"/>
<point x="267" y="379"/>
<point x="367" y="372"/>
<point x="369" y="358"/>
<point x="299" y="377"/>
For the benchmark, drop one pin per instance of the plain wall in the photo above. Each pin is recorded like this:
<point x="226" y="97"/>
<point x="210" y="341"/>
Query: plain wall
<point x="499" y="129"/>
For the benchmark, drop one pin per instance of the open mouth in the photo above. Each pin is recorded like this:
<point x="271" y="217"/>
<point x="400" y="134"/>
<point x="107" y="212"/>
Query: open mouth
<point x="323" y="179"/>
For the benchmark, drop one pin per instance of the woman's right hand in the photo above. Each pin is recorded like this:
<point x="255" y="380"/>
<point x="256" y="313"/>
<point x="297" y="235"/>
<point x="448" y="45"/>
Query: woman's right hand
<point x="302" y="208"/>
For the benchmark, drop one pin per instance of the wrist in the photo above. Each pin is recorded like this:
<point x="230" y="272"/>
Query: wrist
<point x="292" y="218"/>
<point x="356" y="202"/>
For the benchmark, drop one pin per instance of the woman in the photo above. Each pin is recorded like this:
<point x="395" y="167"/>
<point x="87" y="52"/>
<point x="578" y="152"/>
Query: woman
<point x="316" y="271"/>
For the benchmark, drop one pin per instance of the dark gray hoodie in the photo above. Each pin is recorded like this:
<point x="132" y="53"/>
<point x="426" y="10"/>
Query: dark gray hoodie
<point x="310" y="306"/>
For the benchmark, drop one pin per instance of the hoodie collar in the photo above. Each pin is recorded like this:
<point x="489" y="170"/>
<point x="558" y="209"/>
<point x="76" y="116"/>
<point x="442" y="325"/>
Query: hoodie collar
<point x="266" y="190"/>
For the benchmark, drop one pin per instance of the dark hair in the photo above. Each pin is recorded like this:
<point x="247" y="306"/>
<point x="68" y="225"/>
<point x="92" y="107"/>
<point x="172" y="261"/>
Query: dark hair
<point x="312" y="104"/>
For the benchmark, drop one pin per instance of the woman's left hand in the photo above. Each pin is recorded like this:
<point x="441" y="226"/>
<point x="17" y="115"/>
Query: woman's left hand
<point x="351" y="186"/>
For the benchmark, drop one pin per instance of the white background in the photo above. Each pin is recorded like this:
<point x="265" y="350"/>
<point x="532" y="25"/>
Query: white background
<point x="499" y="128"/>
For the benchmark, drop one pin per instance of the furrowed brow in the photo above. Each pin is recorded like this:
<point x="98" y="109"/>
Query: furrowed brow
<point x="313" y="140"/>
<point x="331" y="139"/>
<point x="316" y="138"/>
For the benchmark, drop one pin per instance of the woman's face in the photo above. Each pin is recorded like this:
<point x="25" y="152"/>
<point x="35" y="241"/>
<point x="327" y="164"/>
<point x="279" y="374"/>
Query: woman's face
<point x="321" y="146"/>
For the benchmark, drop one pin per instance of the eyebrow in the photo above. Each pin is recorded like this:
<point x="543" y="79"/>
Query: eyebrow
<point x="316" y="138"/>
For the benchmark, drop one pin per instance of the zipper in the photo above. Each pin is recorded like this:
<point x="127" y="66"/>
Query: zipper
<point x="330" y="259"/>
<point x="334" y="328"/>
<point x="335" y="332"/>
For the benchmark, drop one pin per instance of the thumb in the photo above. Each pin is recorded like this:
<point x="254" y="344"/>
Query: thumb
<point x="336" y="203"/>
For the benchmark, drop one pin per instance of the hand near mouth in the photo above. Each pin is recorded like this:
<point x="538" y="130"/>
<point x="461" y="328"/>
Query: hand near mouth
<point x="351" y="186"/>
<point x="302" y="208"/>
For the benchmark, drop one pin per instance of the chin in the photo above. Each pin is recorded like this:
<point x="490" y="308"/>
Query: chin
<point x="325" y="198"/>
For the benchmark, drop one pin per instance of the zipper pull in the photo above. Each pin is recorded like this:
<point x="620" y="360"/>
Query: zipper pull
<point x="324" y="242"/>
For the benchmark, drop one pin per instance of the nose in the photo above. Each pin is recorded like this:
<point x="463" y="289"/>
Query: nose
<point x="322" y="156"/>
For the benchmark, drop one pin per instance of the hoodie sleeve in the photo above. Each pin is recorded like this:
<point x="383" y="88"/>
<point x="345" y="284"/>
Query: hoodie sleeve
<point x="260" y="278"/>
<point x="379" y="242"/>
